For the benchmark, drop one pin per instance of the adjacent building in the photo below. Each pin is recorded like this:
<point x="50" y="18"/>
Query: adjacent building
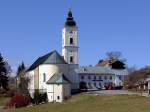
<point x="100" y="77"/>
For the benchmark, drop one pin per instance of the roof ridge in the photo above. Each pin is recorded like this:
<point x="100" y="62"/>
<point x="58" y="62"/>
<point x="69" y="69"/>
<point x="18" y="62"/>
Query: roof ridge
<point x="58" y="78"/>
<point x="50" y="58"/>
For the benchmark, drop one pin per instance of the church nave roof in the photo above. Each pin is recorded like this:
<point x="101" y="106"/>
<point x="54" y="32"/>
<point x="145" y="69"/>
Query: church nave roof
<point x="51" y="58"/>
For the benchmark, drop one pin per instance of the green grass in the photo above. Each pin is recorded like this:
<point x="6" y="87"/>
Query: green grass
<point x="3" y="100"/>
<point x="89" y="103"/>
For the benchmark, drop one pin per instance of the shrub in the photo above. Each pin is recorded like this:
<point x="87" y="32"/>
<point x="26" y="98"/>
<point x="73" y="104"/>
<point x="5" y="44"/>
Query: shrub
<point x="44" y="97"/>
<point x="39" y="97"/>
<point x="19" y="100"/>
<point x="10" y="93"/>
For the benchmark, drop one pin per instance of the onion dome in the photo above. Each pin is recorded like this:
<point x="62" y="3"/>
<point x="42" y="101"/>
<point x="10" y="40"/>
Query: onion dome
<point x="70" y="21"/>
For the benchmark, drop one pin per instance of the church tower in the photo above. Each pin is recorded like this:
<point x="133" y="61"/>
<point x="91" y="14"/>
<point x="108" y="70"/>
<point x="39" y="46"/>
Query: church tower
<point x="70" y="49"/>
<point x="70" y="40"/>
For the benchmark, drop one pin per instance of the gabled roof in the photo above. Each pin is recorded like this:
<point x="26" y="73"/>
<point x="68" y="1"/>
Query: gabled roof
<point x="58" y="78"/>
<point x="114" y="63"/>
<point x="103" y="63"/>
<point x="51" y="58"/>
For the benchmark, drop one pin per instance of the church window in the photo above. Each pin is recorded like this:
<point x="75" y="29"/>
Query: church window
<point x="58" y="97"/>
<point x="71" y="59"/>
<point x="71" y="40"/>
<point x="44" y="77"/>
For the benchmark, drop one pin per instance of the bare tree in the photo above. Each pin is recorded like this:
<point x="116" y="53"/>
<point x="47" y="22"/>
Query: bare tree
<point x="115" y="55"/>
<point x="135" y="76"/>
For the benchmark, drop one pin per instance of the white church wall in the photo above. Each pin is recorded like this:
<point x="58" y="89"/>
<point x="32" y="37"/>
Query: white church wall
<point x="30" y="75"/>
<point x="50" y="92"/>
<point x="70" y="49"/>
<point x="66" y="36"/>
<point x="50" y="70"/>
<point x="58" y="93"/>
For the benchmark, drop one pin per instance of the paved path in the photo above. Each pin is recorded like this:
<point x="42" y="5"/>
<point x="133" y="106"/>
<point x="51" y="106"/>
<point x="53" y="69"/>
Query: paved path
<point x="112" y="92"/>
<point x="3" y="110"/>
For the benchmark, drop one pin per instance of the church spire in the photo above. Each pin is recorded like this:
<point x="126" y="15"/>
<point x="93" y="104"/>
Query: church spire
<point x="70" y="13"/>
<point x="70" y="20"/>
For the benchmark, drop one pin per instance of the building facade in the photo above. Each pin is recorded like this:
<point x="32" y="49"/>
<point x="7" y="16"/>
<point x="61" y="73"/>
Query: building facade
<point x="59" y="75"/>
<point x="100" y="77"/>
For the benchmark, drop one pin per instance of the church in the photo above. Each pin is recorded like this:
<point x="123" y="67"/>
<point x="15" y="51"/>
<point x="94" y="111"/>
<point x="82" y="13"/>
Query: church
<point x="60" y="75"/>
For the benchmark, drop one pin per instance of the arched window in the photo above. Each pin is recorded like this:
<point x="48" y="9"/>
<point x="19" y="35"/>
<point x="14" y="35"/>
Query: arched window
<point x="58" y="97"/>
<point x="71" y="40"/>
<point x="71" y="59"/>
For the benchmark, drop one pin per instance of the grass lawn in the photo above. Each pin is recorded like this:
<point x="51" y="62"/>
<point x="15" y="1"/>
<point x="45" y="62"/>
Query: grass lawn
<point x="3" y="100"/>
<point x="89" y="103"/>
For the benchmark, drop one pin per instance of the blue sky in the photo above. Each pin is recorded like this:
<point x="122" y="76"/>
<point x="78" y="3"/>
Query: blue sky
<point x="31" y="28"/>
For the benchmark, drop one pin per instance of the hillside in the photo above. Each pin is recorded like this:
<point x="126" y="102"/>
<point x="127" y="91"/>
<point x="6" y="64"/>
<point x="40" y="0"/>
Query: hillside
<point x="90" y="103"/>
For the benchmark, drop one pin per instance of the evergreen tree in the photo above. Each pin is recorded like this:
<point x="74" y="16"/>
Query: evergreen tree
<point x="4" y="71"/>
<point x="22" y="80"/>
<point x="21" y="68"/>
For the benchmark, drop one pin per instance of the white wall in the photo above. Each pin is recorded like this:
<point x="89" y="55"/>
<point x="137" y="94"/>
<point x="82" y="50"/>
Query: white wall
<point x="68" y="49"/>
<point x="30" y="75"/>
<point x="50" y="70"/>
<point x="97" y="81"/>
<point x="53" y="92"/>
<point x="58" y="90"/>
<point x="50" y="92"/>
<point x="119" y="82"/>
